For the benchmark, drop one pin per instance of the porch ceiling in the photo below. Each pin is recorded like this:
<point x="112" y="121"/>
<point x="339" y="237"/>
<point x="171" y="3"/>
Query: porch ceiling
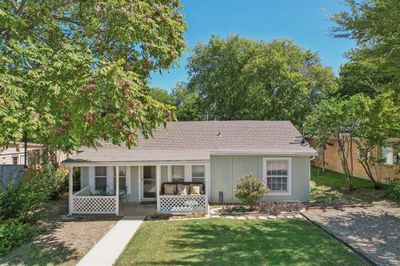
<point x="105" y="155"/>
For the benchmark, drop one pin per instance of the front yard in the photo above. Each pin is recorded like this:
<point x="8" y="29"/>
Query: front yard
<point x="235" y="242"/>
<point x="60" y="241"/>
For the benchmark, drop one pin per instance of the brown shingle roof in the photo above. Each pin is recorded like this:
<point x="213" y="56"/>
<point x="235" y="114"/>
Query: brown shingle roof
<point x="207" y="137"/>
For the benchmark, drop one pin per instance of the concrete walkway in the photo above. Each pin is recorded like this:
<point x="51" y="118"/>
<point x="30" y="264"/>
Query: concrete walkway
<point x="108" y="249"/>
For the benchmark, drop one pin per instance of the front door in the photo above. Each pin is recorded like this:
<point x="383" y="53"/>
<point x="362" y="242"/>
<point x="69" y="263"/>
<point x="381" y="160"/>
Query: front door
<point x="149" y="183"/>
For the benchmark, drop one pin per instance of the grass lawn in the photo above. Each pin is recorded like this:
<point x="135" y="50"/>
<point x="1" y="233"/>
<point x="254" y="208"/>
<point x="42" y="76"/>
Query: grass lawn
<point x="235" y="242"/>
<point x="330" y="187"/>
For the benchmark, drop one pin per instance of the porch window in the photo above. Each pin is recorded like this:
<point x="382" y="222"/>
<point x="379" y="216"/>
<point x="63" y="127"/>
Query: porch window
<point x="277" y="175"/>
<point x="122" y="178"/>
<point x="386" y="154"/>
<point x="178" y="173"/>
<point x="198" y="173"/>
<point x="100" y="178"/>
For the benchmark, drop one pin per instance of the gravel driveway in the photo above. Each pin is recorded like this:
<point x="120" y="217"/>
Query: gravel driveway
<point x="373" y="230"/>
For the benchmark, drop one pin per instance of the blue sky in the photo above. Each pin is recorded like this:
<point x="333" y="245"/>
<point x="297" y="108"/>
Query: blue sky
<point x="306" y="22"/>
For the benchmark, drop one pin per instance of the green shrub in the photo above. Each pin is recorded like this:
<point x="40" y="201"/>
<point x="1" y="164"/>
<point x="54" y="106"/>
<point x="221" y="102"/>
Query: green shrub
<point x="24" y="201"/>
<point x="393" y="191"/>
<point x="250" y="190"/>
<point x="13" y="234"/>
<point x="57" y="180"/>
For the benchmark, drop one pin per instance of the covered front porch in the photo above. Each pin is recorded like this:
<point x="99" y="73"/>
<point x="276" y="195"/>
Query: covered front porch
<point x="139" y="188"/>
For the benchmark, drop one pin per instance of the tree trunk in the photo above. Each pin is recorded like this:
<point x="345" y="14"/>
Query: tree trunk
<point x="345" y="164"/>
<point x="368" y="171"/>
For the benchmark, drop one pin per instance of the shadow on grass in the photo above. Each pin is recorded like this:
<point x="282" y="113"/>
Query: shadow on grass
<point x="236" y="242"/>
<point x="329" y="187"/>
<point x="50" y="247"/>
<point x="44" y="249"/>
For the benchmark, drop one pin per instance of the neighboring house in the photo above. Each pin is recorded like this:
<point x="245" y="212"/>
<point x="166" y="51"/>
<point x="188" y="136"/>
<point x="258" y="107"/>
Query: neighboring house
<point x="14" y="154"/>
<point x="12" y="161"/>
<point x="329" y="158"/>
<point x="212" y="154"/>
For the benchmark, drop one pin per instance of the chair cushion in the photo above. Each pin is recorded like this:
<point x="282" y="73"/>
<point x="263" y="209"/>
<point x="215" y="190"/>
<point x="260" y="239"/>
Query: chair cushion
<point x="169" y="189"/>
<point x="182" y="189"/>
<point x="195" y="189"/>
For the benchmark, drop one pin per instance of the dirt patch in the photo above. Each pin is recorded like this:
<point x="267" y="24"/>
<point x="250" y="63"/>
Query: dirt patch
<point x="373" y="230"/>
<point x="62" y="241"/>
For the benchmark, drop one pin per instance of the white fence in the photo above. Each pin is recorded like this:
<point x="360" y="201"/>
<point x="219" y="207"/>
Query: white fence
<point x="183" y="203"/>
<point x="85" y="203"/>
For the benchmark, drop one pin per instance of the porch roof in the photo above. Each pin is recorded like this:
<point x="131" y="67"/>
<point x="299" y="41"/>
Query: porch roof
<point x="126" y="156"/>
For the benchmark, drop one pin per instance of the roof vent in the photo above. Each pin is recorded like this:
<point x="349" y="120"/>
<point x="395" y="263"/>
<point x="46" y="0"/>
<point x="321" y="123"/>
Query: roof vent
<point x="219" y="134"/>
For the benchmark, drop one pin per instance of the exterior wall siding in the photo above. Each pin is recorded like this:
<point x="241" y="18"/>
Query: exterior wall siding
<point x="227" y="170"/>
<point x="330" y="159"/>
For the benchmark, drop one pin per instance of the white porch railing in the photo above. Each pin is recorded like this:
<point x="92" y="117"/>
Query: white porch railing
<point x="183" y="203"/>
<point x="85" y="203"/>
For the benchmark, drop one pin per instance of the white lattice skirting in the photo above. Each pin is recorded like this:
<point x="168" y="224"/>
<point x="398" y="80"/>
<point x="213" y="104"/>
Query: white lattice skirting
<point x="183" y="203"/>
<point x="83" y="203"/>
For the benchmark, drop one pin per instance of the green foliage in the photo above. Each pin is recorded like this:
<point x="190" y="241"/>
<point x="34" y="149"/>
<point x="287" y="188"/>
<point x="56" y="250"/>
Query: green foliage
<point x="24" y="201"/>
<point x="12" y="234"/>
<point x="373" y="65"/>
<point x="161" y="95"/>
<point x="393" y="191"/>
<point x="72" y="73"/>
<point x="238" y="78"/>
<point x="373" y="121"/>
<point x="187" y="104"/>
<point x="250" y="190"/>
<point x="21" y="204"/>
<point x="336" y="119"/>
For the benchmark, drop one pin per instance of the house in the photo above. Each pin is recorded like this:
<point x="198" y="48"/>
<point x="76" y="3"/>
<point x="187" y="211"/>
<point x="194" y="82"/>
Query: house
<point x="14" y="154"/>
<point x="329" y="158"/>
<point x="12" y="159"/>
<point x="212" y="155"/>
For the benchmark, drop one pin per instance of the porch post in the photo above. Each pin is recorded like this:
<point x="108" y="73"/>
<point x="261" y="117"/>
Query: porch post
<point x="208" y="186"/>
<point x="116" y="190"/>
<point x="158" y="185"/>
<point x="70" y="189"/>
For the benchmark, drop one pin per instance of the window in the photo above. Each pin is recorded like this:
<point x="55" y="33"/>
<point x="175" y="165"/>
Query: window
<point x="122" y="178"/>
<point x="277" y="175"/>
<point x="387" y="155"/>
<point x="361" y="154"/>
<point x="198" y="173"/>
<point x="178" y="173"/>
<point x="22" y="159"/>
<point x="100" y="178"/>
<point x="15" y="160"/>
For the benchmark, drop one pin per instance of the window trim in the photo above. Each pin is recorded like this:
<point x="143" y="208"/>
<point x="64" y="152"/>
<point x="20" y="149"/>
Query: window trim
<point x="289" y="181"/>
<point x="386" y="158"/>
<point x="100" y="176"/>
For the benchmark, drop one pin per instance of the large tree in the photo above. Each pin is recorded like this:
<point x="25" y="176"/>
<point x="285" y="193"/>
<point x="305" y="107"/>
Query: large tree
<point x="335" y="119"/>
<point x="374" y="63"/>
<point x="74" y="72"/>
<point x="187" y="104"/>
<point x="238" y="78"/>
